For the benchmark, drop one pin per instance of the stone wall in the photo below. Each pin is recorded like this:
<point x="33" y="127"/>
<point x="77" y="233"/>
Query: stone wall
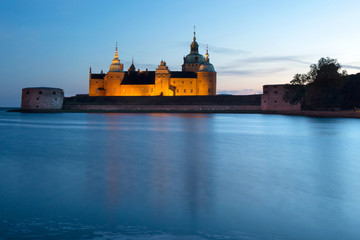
<point x="42" y="98"/>
<point x="164" y="108"/>
<point x="272" y="99"/>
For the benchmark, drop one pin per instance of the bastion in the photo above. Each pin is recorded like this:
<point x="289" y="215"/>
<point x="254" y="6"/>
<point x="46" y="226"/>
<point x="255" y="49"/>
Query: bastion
<point x="42" y="98"/>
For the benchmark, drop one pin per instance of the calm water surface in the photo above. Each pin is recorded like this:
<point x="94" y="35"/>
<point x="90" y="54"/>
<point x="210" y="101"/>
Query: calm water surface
<point x="178" y="176"/>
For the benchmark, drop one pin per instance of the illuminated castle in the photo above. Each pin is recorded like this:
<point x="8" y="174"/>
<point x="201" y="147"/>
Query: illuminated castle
<point x="198" y="77"/>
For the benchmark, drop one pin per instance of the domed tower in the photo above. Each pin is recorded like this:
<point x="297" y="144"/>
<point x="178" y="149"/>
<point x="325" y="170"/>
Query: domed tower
<point x="116" y="66"/>
<point x="113" y="78"/>
<point x="193" y="60"/>
<point x="207" y="77"/>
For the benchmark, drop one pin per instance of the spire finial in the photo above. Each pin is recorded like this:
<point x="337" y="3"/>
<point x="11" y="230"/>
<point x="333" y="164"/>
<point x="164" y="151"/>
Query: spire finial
<point x="207" y="53"/>
<point x="116" y="55"/>
<point x="132" y="60"/>
<point x="194" y="33"/>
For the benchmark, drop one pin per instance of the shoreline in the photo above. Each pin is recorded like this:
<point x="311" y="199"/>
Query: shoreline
<point x="322" y="114"/>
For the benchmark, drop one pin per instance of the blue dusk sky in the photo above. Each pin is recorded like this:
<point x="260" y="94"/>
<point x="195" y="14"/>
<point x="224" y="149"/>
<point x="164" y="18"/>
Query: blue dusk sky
<point x="52" y="43"/>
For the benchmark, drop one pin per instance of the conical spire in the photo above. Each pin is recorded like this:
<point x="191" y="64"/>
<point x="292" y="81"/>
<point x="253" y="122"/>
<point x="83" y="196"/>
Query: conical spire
<point x="116" y="66"/>
<point x="132" y="67"/>
<point x="116" y="55"/>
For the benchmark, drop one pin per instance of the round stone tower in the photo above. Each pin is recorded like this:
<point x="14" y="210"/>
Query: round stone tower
<point x="42" y="98"/>
<point x="207" y="77"/>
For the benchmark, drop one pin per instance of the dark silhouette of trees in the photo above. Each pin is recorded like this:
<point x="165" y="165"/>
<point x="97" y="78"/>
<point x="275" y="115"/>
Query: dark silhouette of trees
<point x="324" y="87"/>
<point x="351" y="92"/>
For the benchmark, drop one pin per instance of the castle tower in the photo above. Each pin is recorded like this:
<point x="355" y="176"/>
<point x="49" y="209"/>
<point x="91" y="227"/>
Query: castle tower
<point x="115" y="75"/>
<point x="193" y="60"/>
<point x="162" y="80"/>
<point x="207" y="77"/>
<point x="116" y="66"/>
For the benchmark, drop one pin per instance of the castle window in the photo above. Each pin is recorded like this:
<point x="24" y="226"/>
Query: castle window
<point x="152" y="90"/>
<point x="40" y="92"/>
<point x="275" y="101"/>
<point x="37" y="98"/>
<point x="96" y="91"/>
<point x="27" y="92"/>
<point x="264" y="101"/>
<point x="190" y="82"/>
<point x="37" y="106"/>
<point x="184" y="90"/>
<point x="174" y="82"/>
<point x="55" y="99"/>
<point x="209" y="90"/>
<point x="191" y="91"/>
<point x="275" y="92"/>
<point x="182" y="82"/>
<point x="177" y="90"/>
<point x="54" y="93"/>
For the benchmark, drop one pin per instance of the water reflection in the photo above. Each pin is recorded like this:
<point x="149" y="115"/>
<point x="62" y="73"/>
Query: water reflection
<point x="206" y="176"/>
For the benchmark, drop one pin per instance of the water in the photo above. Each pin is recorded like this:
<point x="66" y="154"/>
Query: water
<point x="178" y="176"/>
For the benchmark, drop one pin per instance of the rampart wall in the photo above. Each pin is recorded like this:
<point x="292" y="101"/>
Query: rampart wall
<point x="272" y="99"/>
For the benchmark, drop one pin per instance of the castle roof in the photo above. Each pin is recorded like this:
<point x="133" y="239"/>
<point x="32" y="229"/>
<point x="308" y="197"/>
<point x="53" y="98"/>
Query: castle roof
<point x="139" y="78"/>
<point x="183" y="75"/>
<point x="145" y="77"/>
<point x="97" y="75"/>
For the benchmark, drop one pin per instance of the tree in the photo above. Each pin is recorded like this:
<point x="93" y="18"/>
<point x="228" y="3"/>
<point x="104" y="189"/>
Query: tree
<point x="295" y="91"/>
<point x="323" y="91"/>
<point x="320" y="88"/>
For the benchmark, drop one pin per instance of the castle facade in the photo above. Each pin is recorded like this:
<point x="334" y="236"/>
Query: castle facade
<point x="198" y="77"/>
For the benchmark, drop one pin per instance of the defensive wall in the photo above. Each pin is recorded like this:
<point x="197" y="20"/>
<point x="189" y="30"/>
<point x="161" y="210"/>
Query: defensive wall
<point x="272" y="99"/>
<point x="52" y="99"/>
<point x="220" y="103"/>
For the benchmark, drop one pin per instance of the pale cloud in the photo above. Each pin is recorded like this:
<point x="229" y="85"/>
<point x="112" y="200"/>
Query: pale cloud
<point x="351" y="67"/>
<point x="251" y="72"/>
<point x="225" y="51"/>
<point x="267" y="59"/>
<point x="240" y="92"/>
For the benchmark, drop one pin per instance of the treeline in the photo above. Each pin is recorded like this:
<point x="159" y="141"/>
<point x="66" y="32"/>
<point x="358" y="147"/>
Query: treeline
<point x="324" y="87"/>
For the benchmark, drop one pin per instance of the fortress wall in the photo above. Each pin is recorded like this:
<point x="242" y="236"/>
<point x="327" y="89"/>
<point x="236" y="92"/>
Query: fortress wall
<point x="137" y="90"/>
<point x="154" y="108"/>
<point x="250" y="100"/>
<point x="42" y="98"/>
<point x="94" y="85"/>
<point x="184" y="86"/>
<point x="272" y="99"/>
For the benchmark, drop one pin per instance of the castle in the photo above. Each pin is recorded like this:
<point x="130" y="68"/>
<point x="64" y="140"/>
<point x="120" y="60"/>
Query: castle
<point x="198" y="77"/>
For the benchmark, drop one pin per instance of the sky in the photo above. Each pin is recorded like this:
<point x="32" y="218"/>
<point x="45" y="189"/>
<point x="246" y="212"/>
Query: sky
<point x="52" y="43"/>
